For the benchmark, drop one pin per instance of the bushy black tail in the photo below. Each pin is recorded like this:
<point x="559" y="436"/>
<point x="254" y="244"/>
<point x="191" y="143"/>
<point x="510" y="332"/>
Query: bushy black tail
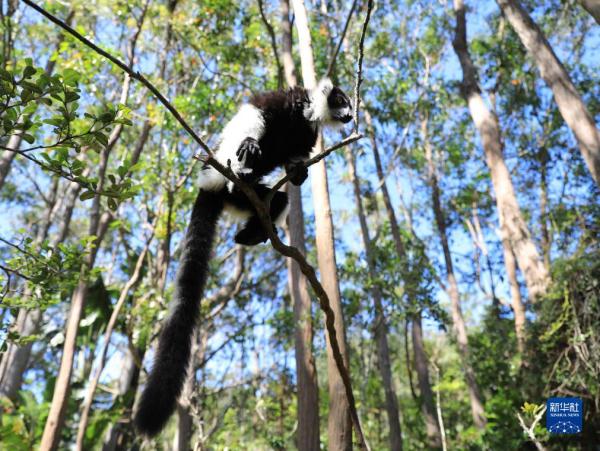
<point x="166" y="380"/>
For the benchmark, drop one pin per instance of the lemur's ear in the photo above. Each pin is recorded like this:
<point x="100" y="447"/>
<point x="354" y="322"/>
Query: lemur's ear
<point x="325" y="85"/>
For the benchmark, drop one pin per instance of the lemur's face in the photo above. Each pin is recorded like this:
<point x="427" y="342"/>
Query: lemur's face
<point x="340" y="107"/>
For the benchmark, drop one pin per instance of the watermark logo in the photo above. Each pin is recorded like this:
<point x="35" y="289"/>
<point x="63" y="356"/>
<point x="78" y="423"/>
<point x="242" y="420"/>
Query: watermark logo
<point x="564" y="415"/>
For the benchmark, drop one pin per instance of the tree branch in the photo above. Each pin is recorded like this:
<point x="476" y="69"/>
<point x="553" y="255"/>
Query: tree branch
<point x="349" y="140"/>
<point x="361" y="55"/>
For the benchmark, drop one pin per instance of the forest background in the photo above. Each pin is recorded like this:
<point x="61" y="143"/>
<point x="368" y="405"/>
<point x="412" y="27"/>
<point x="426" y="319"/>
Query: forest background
<point x="454" y="235"/>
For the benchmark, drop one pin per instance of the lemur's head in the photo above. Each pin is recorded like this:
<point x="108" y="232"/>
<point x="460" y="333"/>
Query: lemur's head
<point x="329" y="104"/>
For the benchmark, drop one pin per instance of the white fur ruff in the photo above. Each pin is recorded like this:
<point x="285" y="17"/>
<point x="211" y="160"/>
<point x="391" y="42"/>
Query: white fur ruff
<point x="247" y="123"/>
<point x="318" y="110"/>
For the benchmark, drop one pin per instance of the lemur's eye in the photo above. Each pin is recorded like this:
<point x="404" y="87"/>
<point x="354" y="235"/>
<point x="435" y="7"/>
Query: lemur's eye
<point x="339" y="100"/>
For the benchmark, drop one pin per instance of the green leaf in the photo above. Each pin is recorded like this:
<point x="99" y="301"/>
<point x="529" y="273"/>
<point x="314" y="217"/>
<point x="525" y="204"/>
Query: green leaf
<point x="71" y="77"/>
<point x="6" y="75"/>
<point x="28" y="72"/>
<point x="87" y="195"/>
<point x="29" y="138"/>
<point x="112" y="204"/>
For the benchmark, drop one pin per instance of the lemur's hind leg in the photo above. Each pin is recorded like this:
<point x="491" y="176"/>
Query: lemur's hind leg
<point x="253" y="232"/>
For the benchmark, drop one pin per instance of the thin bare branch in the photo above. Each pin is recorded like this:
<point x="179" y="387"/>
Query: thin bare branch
<point x="341" y="40"/>
<point x="269" y="27"/>
<point x="359" y="62"/>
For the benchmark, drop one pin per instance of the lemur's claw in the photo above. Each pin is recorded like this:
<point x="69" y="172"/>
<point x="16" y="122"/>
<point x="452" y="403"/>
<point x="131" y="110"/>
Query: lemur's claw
<point x="248" y="152"/>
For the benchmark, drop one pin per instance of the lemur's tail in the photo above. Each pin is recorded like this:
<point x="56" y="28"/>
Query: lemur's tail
<point x="166" y="380"/>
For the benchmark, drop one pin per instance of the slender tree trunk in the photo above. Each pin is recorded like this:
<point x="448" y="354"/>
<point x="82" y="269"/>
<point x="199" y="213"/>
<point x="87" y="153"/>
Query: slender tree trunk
<point x="307" y="435"/>
<point x="183" y="434"/>
<point x="546" y="235"/>
<point x="460" y="329"/>
<point x="14" y="143"/>
<point x="384" y="191"/>
<point x="515" y="294"/>
<point x="383" y="351"/>
<point x="535" y="274"/>
<point x="434" y="434"/>
<point x="592" y="7"/>
<point x="339" y="425"/>
<point x="114" y="438"/>
<point x="433" y="429"/>
<point x="569" y="102"/>
<point x="15" y="359"/>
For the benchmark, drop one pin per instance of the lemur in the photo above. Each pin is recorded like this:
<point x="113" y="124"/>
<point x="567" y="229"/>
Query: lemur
<point x="274" y="129"/>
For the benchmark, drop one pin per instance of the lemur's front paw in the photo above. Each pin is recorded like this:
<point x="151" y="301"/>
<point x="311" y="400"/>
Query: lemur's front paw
<point x="249" y="152"/>
<point x="298" y="172"/>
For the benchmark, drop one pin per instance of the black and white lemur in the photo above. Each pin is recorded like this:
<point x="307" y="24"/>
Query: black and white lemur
<point x="275" y="129"/>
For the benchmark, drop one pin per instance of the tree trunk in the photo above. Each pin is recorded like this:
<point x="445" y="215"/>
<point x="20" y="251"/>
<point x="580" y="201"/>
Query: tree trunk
<point x="55" y="420"/>
<point x="383" y="352"/>
<point x="460" y="330"/>
<point x="433" y="429"/>
<point x="546" y="239"/>
<point x="434" y="434"/>
<point x="592" y="7"/>
<point x="307" y="435"/>
<point x="384" y="191"/>
<point x="515" y="294"/>
<point x="15" y="359"/>
<point x="183" y="434"/>
<point x="114" y="438"/>
<point x="569" y="102"/>
<point x="339" y="425"/>
<point x="14" y="143"/>
<point x="535" y="274"/>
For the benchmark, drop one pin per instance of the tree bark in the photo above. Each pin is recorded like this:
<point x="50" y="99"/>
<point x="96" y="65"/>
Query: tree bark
<point x="511" y="220"/>
<point x="183" y="434"/>
<point x="381" y="331"/>
<point x="515" y="294"/>
<point x="339" y="424"/>
<point x="434" y="434"/>
<point x="592" y="7"/>
<point x="15" y="359"/>
<point x="460" y="329"/>
<point x="115" y="438"/>
<point x="568" y="100"/>
<point x="307" y="435"/>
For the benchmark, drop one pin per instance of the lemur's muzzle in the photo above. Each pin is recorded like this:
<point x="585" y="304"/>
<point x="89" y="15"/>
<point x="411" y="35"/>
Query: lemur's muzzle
<point x="347" y="118"/>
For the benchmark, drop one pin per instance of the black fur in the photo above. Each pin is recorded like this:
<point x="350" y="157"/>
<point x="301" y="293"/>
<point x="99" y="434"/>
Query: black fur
<point x="168" y="374"/>
<point x="288" y="136"/>
<point x="287" y="139"/>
